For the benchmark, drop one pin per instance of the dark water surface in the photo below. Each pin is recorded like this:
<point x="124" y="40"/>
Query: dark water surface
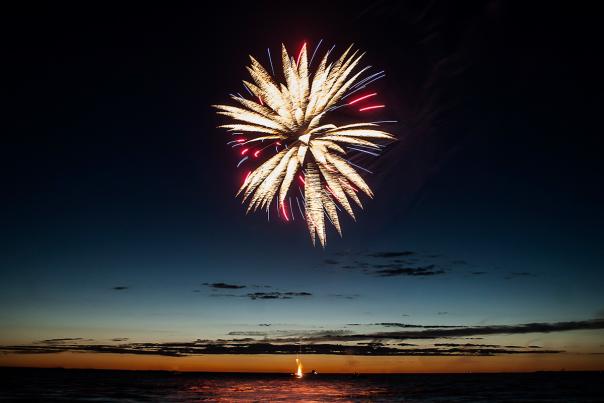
<point x="20" y="384"/>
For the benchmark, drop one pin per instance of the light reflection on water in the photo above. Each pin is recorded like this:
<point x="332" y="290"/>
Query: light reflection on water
<point x="283" y="390"/>
<point x="140" y="386"/>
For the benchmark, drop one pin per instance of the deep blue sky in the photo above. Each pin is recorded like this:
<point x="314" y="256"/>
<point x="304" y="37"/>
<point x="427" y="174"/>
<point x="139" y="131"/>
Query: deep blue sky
<point x="116" y="174"/>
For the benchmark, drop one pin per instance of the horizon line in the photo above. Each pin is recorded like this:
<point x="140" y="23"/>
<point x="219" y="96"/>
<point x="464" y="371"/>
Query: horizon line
<point x="562" y="370"/>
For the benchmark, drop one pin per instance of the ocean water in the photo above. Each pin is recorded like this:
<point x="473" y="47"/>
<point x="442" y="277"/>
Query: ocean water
<point x="19" y="384"/>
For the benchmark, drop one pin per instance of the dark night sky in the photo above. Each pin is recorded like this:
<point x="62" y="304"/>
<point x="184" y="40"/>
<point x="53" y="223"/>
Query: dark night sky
<point x="115" y="173"/>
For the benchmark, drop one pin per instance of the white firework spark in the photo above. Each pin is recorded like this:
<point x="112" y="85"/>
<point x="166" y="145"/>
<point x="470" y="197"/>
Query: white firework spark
<point x="292" y="114"/>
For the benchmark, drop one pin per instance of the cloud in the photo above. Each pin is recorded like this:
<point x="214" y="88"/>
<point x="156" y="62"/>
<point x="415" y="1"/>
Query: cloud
<point x="120" y="287"/>
<point x="467" y="331"/>
<point x="246" y="346"/>
<point x="64" y="340"/>
<point x="423" y="332"/>
<point x="224" y="286"/>
<point x="291" y="333"/>
<point x="427" y="332"/>
<point x="274" y="295"/>
<point x="390" y="263"/>
<point x="260" y="295"/>
<point x="465" y="345"/>
<point x="478" y="273"/>
<point x="252" y="333"/>
<point x="278" y="295"/>
<point x="333" y="342"/>
<point x="404" y="325"/>
<point x="408" y="271"/>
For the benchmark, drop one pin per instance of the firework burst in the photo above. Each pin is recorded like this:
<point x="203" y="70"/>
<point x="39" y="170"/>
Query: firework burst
<point x="291" y="118"/>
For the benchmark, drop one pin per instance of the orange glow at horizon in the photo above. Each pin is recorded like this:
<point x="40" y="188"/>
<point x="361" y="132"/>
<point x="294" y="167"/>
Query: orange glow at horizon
<point x="324" y="363"/>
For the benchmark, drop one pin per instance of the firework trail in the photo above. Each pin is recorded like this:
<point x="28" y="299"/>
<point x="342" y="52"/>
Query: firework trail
<point x="291" y="118"/>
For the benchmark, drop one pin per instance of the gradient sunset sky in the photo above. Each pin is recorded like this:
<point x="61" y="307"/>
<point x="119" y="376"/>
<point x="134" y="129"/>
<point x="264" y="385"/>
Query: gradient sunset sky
<point x="123" y="245"/>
